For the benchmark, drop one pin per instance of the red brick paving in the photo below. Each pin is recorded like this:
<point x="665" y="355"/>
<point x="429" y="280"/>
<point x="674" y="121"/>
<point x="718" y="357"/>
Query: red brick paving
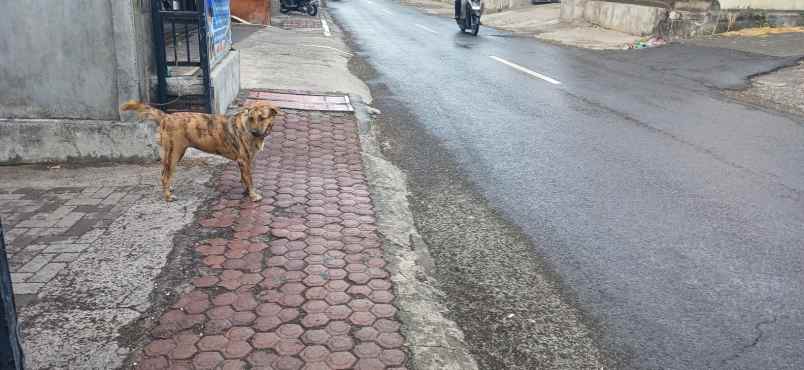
<point x="307" y="102"/>
<point x="301" y="284"/>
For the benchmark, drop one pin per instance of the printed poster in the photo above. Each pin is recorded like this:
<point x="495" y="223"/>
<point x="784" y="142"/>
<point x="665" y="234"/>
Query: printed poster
<point x="219" y="30"/>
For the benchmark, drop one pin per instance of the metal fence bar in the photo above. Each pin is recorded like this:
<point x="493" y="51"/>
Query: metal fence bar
<point x="175" y="43"/>
<point x="187" y="42"/>
<point x="203" y="52"/>
<point x="159" y="52"/>
<point x="11" y="356"/>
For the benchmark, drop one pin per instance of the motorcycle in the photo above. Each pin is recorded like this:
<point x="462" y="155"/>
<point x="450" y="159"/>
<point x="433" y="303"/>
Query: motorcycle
<point x="469" y="18"/>
<point x="308" y="6"/>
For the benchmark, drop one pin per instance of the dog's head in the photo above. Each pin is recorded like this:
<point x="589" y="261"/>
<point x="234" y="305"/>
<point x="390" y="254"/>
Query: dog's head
<point x="260" y="119"/>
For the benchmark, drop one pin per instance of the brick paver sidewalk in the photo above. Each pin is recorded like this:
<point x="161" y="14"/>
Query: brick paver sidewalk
<point x="297" y="280"/>
<point x="49" y="228"/>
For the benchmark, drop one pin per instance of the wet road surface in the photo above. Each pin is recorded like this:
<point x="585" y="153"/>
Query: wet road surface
<point x="672" y="216"/>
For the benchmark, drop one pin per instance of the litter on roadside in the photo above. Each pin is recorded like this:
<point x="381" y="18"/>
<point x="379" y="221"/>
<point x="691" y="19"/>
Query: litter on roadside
<point x="647" y="42"/>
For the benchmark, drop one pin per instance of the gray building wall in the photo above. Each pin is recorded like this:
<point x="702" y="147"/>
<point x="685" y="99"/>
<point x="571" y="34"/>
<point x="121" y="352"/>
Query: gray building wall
<point x="619" y="16"/>
<point x="72" y="58"/>
<point x="144" y="47"/>
<point x="66" y="66"/>
<point x="683" y="18"/>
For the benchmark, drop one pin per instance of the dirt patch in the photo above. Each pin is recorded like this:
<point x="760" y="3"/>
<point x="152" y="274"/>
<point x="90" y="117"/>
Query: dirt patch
<point x="782" y="90"/>
<point x="763" y="31"/>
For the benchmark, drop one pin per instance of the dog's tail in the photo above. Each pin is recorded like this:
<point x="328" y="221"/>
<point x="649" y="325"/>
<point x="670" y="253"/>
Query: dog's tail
<point x="144" y="111"/>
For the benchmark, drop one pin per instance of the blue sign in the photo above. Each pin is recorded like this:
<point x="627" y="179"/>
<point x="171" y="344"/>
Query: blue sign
<point x="219" y="29"/>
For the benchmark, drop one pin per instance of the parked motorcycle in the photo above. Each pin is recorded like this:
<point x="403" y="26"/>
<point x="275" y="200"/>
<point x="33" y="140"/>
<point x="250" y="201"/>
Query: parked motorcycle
<point x="308" y="6"/>
<point x="469" y="19"/>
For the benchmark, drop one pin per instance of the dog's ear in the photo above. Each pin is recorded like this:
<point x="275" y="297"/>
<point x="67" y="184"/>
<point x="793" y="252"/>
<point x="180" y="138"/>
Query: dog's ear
<point x="274" y="111"/>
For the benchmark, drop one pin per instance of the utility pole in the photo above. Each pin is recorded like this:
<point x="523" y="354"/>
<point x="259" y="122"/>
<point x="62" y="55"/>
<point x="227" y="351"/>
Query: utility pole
<point x="10" y="349"/>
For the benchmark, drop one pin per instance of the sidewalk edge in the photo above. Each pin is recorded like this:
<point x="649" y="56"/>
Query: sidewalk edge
<point x="434" y="341"/>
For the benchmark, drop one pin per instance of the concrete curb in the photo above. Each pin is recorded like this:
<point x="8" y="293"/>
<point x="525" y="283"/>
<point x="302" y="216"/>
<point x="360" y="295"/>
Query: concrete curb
<point x="24" y="141"/>
<point x="434" y="341"/>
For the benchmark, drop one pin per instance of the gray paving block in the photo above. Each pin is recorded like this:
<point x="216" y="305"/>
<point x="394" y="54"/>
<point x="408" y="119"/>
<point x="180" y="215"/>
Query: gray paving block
<point x="47" y="272"/>
<point x="27" y="288"/>
<point x="66" y="248"/>
<point x="36" y="263"/>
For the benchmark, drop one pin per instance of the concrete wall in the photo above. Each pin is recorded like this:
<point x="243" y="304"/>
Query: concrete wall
<point x="499" y="5"/>
<point x="65" y="68"/>
<point x="70" y="58"/>
<point x="35" y="141"/>
<point x="58" y="59"/>
<point x="787" y="5"/>
<point x="225" y="80"/>
<point x="624" y="17"/>
<point x="144" y="52"/>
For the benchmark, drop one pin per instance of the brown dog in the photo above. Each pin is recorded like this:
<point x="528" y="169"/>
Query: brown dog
<point x="238" y="138"/>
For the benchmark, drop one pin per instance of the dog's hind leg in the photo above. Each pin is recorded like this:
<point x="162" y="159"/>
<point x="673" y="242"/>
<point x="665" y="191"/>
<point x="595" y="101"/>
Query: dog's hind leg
<point x="171" y="154"/>
<point x="165" y="160"/>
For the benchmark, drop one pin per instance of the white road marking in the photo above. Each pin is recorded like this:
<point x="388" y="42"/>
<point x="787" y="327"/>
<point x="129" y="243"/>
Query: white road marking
<point x="328" y="47"/>
<point x="381" y="9"/>
<point x="523" y="69"/>
<point x="425" y="28"/>
<point x="325" y="26"/>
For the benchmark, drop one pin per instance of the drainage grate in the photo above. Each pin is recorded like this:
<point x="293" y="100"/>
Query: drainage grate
<point x="304" y="102"/>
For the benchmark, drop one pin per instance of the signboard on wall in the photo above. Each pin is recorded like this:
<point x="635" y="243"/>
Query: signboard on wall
<point x="219" y="30"/>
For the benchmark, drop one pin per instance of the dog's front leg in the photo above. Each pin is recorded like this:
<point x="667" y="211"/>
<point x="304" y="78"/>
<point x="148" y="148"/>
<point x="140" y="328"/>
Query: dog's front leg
<point x="245" y="176"/>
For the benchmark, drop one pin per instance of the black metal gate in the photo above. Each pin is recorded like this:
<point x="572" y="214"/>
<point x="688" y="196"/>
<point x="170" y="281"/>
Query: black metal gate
<point x="180" y="41"/>
<point x="11" y="356"/>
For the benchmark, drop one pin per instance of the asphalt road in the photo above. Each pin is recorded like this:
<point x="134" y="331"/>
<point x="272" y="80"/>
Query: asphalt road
<point x="672" y="217"/>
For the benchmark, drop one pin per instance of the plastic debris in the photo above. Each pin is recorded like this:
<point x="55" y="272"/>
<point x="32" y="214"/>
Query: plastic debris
<point x="647" y="42"/>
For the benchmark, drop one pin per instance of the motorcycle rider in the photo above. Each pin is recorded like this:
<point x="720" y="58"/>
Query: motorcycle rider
<point x="470" y="20"/>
